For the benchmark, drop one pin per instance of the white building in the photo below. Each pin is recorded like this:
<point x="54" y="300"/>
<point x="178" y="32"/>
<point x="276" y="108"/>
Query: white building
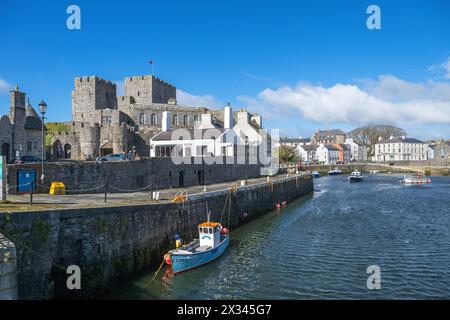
<point x="327" y="154"/>
<point x="208" y="138"/>
<point x="295" y="142"/>
<point x="357" y="152"/>
<point x="400" y="149"/>
<point x="307" y="153"/>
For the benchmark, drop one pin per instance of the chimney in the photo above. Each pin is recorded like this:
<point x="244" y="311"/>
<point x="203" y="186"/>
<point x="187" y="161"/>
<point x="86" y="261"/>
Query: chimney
<point x="165" y="123"/>
<point x="243" y="116"/>
<point x="206" y="122"/>
<point x="380" y="138"/>
<point x="228" y="117"/>
<point x="257" y="118"/>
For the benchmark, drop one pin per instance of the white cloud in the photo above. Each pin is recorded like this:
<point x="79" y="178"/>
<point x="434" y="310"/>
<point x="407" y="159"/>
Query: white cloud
<point x="446" y="67"/>
<point x="5" y="87"/>
<point x="441" y="71"/>
<point x="191" y="100"/>
<point x="387" y="99"/>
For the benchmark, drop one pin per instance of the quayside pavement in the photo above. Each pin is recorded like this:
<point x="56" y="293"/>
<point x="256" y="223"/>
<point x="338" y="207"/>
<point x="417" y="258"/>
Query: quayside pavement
<point x="42" y="201"/>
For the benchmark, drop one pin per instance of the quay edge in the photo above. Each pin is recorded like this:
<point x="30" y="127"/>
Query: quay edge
<point x="111" y="245"/>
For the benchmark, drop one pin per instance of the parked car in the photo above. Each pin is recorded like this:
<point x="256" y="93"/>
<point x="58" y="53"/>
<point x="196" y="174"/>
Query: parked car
<point x="111" y="157"/>
<point x="27" y="159"/>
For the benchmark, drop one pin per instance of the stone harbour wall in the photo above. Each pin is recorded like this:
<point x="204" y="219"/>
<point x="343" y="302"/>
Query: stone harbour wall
<point x="154" y="173"/>
<point x="8" y="269"/>
<point x="113" y="244"/>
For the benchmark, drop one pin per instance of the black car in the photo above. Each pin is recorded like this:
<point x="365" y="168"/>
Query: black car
<point x="27" y="159"/>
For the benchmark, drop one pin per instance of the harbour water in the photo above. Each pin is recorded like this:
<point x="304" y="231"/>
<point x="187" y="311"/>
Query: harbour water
<point x="320" y="247"/>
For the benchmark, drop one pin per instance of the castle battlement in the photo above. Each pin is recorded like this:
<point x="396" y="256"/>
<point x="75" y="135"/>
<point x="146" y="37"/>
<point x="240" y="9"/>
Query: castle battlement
<point x="149" y="77"/>
<point x="93" y="79"/>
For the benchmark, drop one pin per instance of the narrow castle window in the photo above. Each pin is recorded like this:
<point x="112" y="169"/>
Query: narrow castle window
<point x="175" y="120"/>
<point x="185" y="120"/>
<point x="153" y="119"/>
<point x="141" y="118"/>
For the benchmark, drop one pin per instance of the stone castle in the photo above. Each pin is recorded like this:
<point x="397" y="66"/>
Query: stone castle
<point x="104" y="123"/>
<point x="21" y="129"/>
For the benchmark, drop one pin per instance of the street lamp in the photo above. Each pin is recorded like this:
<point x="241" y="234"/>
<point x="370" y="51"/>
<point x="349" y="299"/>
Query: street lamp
<point x="43" y="109"/>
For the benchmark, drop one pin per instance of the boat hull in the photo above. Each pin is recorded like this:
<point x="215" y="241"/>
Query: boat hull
<point x="414" y="182"/>
<point x="183" y="262"/>
<point x="331" y="173"/>
<point x="355" y="179"/>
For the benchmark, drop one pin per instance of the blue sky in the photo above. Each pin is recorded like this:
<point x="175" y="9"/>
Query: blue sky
<point x="302" y="64"/>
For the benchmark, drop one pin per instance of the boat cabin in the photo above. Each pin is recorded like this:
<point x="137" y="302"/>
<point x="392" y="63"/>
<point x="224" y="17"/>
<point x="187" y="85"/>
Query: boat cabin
<point x="209" y="234"/>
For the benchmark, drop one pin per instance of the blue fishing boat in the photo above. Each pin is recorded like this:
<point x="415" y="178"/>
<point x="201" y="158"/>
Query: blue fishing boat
<point x="316" y="174"/>
<point x="213" y="241"/>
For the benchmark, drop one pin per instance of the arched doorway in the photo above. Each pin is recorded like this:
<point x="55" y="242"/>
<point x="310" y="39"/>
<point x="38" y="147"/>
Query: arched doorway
<point x="5" y="151"/>
<point x="106" y="149"/>
<point x="67" y="151"/>
<point x="57" y="150"/>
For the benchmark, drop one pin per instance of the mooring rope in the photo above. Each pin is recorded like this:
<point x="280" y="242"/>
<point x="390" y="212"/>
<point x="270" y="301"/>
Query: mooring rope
<point x="156" y="273"/>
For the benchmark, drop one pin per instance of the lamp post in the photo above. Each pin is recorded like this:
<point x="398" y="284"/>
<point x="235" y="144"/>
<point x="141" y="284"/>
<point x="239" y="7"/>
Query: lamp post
<point x="43" y="109"/>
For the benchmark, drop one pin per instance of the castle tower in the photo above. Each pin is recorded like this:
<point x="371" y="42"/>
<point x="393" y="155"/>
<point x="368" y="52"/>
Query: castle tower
<point x="149" y="89"/>
<point x="90" y="94"/>
<point x="89" y="141"/>
<point x="17" y="115"/>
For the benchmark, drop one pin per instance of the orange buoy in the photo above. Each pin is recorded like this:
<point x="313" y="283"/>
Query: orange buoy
<point x="284" y="203"/>
<point x="278" y="206"/>
<point x="168" y="259"/>
<point x="224" y="231"/>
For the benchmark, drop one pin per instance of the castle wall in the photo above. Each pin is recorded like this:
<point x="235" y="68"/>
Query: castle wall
<point x="90" y="94"/>
<point x="6" y="130"/>
<point x="148" y="90"/>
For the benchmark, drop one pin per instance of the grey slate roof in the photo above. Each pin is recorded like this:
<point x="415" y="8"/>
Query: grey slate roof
<point x="32" y="121"/>
<point x="295" y="140"/>
<point x="323" y="134"/>
<point x="399" y="139"/>
<point x="193" y="133"/>
<point x="310" y="147"/>
<point x="331" y="148"/>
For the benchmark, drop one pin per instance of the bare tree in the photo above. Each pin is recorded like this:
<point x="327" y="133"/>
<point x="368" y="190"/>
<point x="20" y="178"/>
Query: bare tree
<point x="287" y="154"/>
<point x="368" y="135"/>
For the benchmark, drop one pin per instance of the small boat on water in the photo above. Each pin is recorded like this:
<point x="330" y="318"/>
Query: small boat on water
<point x="212" y="242"/>
<point x="355" y="176"/>
<point x="416" y="178"/>
<point x="334" y="172"/>
<point x="316" y="174"/>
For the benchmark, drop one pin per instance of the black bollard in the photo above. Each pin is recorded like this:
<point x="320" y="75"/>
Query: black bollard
<point x="31" y="193"/>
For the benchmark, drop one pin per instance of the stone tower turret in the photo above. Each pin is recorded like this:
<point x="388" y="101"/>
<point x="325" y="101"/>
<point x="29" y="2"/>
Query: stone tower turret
<point x="18" y="117"/>
<point x="90" y="94"/>
<point x="149" y="89"/>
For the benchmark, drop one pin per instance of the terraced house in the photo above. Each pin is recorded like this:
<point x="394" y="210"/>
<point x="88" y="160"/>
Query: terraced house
<point x="400" y="149"/>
